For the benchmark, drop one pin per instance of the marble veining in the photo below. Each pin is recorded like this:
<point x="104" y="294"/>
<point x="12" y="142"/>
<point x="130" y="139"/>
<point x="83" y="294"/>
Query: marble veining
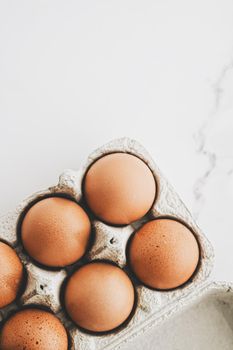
<point x="205" y="131"/>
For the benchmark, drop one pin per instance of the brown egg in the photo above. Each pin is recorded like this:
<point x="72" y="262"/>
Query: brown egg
<point x="119" y="188"/>
<point x="163" y="254"/>
<point x="99" y="297"/>
<point x="33" y="329"/>
<point x="56" y="231"/>
<point x="11" y="274"/>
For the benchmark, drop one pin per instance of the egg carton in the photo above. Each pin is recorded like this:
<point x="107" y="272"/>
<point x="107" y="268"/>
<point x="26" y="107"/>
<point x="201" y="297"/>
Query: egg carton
<point x="202" y="320"/>
<point x="44" y="286"/>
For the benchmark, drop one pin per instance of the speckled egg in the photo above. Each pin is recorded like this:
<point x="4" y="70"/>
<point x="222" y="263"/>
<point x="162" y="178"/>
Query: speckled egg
<point x="33" y="329"/>
<point x="163" y="254"/>
<point x="11" y="274"/>
<point x="56" y="231"/>
<point x="99" y="297"/>
<point x="119" y="188"/>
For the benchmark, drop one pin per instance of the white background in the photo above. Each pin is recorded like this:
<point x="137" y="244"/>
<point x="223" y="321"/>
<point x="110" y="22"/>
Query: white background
<point x="75" y="74"/>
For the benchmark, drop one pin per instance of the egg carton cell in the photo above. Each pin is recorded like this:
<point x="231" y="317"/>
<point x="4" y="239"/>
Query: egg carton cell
<point x="108" y="242"/>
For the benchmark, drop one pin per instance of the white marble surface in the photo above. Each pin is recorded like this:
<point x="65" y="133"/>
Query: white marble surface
<point x="76" y="74"/>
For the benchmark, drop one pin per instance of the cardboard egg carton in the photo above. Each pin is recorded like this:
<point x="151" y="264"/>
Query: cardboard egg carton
<point x="202" y="320"/>
<point x="153" y="307"/>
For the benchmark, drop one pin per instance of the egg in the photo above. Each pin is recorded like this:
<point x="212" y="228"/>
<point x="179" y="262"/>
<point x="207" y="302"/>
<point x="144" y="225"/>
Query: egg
<point x="163" y="254"/>
<point x="99" y="297"/>
<point x="56" y="231"/>
<point x="33" y="329"/>
<point x="119" y="188"/>
<point x="11" y="274"/>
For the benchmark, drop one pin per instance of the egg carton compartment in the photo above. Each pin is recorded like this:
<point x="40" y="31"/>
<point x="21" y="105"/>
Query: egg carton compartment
<point x="44" y="285"/>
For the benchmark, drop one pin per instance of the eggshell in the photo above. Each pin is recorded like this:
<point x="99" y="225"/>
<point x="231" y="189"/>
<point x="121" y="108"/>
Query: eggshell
<point x="11" y="274"/>
<point x="33" y="329"/>
<point x="99" y="297"/>
<point x="119" y="188"/>
<point x="163" y="254"/>
<point x="56" y="231"/>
